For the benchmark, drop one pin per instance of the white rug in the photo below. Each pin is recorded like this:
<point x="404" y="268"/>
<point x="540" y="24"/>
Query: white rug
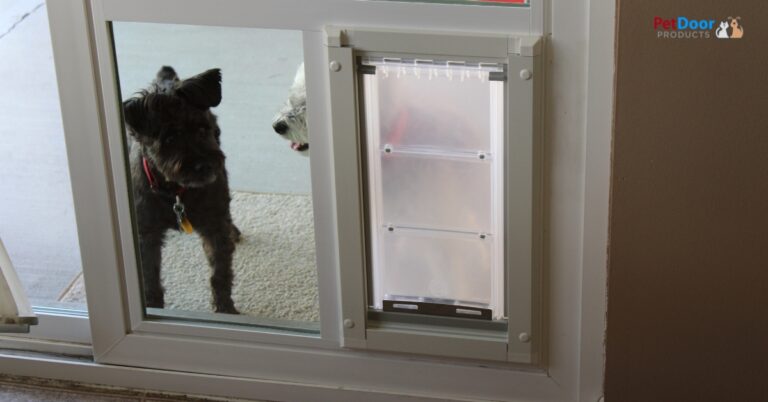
<point x="274" y="263"/>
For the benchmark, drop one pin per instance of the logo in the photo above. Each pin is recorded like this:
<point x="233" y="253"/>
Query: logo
<point x="697" y="28"/>
<point x="736" y="30"/>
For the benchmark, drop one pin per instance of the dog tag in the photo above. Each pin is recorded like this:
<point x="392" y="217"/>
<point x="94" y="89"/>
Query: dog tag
<point x="186" y="226"/>
<point x="181" y="217"/>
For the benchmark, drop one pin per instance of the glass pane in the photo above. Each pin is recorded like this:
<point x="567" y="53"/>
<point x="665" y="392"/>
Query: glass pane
<point x="37" y="220"/>
<point x="219" y="170"/>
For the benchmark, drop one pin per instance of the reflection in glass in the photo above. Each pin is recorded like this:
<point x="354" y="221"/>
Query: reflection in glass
<point x="225" y="99"/>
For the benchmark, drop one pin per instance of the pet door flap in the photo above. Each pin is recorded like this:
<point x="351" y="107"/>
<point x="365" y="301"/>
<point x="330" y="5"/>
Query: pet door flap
<point x="434" y="135"/>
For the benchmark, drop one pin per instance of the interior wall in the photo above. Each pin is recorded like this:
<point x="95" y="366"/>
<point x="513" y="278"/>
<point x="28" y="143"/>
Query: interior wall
<point x="688" y="255"/>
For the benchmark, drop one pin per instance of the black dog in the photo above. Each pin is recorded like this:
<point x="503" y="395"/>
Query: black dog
<point x="179" y="178"/>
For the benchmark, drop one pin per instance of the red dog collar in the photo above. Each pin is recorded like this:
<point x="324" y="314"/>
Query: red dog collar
<point x="153" y="181"/>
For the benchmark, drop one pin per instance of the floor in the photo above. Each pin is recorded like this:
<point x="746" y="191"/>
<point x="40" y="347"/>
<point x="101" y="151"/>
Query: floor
<point x="37" y="222"/>
<point x="18" y="389"/>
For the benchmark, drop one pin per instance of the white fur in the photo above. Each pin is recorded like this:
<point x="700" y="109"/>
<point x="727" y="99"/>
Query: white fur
<point x="294" y="111"/>
<point x="722" y="32"/>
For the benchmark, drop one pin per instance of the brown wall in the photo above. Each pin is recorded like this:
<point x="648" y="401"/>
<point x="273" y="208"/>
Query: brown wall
<point x="688" y="265"/>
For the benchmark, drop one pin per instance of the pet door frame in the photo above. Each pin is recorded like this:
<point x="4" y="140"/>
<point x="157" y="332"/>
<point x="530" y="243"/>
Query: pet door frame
<point x="522" y="339"/>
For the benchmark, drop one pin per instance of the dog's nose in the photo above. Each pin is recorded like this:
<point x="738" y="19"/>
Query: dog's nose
<point x="280" y="127"/>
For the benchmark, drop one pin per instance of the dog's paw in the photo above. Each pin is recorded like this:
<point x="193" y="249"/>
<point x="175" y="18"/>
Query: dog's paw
<point x="227" y="308"/>
<point x="155" y="303"/>
<point x="236" y="235"/>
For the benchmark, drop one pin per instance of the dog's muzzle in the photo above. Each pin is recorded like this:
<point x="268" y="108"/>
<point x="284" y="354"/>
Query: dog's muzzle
<point x="281" y="127"/>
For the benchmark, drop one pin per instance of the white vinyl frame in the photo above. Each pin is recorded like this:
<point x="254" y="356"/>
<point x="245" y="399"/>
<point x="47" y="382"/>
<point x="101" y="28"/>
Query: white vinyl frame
<point x="320" y="371"/>
<point x="521" y="342"/>
<point x="57" y="331"/>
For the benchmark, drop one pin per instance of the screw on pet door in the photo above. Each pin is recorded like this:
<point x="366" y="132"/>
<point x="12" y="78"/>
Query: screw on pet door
<point x="435" y="176"/>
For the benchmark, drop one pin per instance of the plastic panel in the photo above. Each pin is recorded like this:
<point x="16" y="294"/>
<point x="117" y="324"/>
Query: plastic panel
<point x="434" y="107"/>
<point x="443" y="267"/>
<point x="436" y="193"/>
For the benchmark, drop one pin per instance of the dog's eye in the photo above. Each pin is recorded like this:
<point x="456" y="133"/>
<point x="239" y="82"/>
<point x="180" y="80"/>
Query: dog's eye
<point x="169" y="139"/>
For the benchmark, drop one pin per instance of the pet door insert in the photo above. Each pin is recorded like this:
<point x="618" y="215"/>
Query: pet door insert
<point x="434" y="138"/>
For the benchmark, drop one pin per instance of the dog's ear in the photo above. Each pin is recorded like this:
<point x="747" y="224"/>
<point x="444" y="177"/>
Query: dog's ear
<point x="167" y="73"/>
<point x="135" y="114"/>
<point x="202" y="90"/>
<point x="166" y="79"/>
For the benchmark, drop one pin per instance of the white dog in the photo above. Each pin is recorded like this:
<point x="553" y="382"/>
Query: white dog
<point x="291" y="121"/>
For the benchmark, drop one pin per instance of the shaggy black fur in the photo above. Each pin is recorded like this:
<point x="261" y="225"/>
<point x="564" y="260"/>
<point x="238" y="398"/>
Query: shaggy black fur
<point x="171" y="126"/>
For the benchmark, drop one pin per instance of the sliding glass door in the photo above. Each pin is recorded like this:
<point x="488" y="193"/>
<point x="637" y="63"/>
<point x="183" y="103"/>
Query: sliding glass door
<point x="223" y="201"/>
<point x="37" y="213"/>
